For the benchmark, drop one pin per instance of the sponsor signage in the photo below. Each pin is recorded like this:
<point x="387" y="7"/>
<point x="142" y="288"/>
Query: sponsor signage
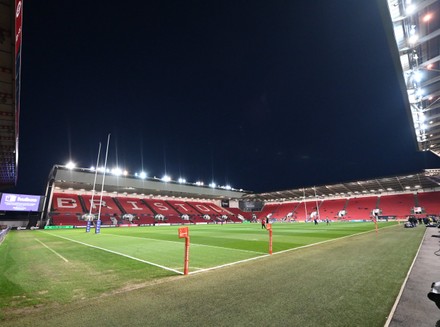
<point x="58" y="227"/>
<point x="19" y="202"/>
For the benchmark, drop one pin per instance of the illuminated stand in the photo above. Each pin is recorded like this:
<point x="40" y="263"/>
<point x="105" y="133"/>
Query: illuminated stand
<point x="184" y="233"/>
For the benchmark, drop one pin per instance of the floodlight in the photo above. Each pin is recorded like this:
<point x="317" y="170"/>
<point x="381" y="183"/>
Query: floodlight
<point x="413" y="38"/>
<point x="410" y="9"/>
<point x="228" y="187"/>
<point x="199" y="183"/>
<point x="166" y="178"/>
<point x="70" y="165"/>
<point x="116" y="171"/>
<point x="418" y="76"/>
<point x="427" y="17"/>
<point x="181" y="180"/>
<point x="212" y="184"/>
<point x="142" y="175"/>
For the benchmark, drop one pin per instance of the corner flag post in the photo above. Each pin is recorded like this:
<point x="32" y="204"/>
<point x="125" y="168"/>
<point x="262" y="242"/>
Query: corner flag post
<point x="184" y="233"/>
<point x="269" y="228"/>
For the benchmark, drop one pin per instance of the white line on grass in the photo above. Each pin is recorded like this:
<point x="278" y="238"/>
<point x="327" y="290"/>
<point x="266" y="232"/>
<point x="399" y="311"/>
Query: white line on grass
<point x="393" y="309"/>
<point x="279" y="252"/>
<point x="228" y="264"/>
<point x="118" y="253"/>
<point x="192" y="244"/>
<point x="47" y="247"/>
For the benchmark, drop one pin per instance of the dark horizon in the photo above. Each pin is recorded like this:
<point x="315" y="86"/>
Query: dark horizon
<point x="261" y="96"/>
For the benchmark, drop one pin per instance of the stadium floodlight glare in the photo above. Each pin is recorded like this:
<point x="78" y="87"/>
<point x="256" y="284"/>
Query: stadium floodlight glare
<point x="413" y="39"/>
<point x="427" y="17"/>
<point x="142" y="175"/>
<point x="199" y="183"/>
<point x="92" y="168"/>
<point x="116" y="171"/>
<point x="212" y="185"/>
<point x="181" y="180"/>
<point x="228" y="187"/>
<point x="410" y="9"/>
<point x="418" y="76"/>
<point x="166" y="178"/>
<point x="70" y="165"/>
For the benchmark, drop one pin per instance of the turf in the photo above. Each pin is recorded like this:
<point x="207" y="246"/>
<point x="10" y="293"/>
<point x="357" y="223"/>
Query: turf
<point x="353" y="279"/>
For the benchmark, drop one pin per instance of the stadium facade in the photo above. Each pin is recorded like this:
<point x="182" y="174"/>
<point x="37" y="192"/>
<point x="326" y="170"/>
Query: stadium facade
<point x="11" y="27"/>
<point x="413" y="29"/>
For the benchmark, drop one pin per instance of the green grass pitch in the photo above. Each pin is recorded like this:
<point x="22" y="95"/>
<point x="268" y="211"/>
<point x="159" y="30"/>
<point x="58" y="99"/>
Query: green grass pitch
<point x="43" y="269"/>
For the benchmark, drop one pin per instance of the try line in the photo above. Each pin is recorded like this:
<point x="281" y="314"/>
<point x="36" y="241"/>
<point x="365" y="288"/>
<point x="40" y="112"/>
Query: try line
<point x="50" y="249"/>
<point x="118" y="253"/>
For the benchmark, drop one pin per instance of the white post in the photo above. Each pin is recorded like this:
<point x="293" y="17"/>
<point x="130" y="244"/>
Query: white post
<point x="98" y="223"/>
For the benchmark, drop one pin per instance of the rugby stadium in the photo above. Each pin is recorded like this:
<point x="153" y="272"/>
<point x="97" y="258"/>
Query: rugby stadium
<point x="112" y="248"/>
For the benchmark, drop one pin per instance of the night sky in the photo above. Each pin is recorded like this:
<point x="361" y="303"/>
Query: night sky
<point x="262" y="95"/>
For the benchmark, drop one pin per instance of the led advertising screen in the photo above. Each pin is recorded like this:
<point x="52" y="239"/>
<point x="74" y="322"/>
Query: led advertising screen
<point x="19" y="202"/>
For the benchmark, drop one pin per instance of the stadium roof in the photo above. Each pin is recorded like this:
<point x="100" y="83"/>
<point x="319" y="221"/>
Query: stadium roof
<point x="413" y="27"/>
<point x="429" y="179"/>
<point x="8" y="114"/>
<point x="83" y="179"/>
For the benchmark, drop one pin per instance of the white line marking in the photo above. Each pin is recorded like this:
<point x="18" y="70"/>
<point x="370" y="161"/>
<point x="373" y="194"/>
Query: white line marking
<point x="51" y="250"/>
<point x="279" y="252"/>
<point x="396" y="303"/>
<point x="118" y="253"/>
<point x="192" y="244"/>
<point x="228" y="264"/>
